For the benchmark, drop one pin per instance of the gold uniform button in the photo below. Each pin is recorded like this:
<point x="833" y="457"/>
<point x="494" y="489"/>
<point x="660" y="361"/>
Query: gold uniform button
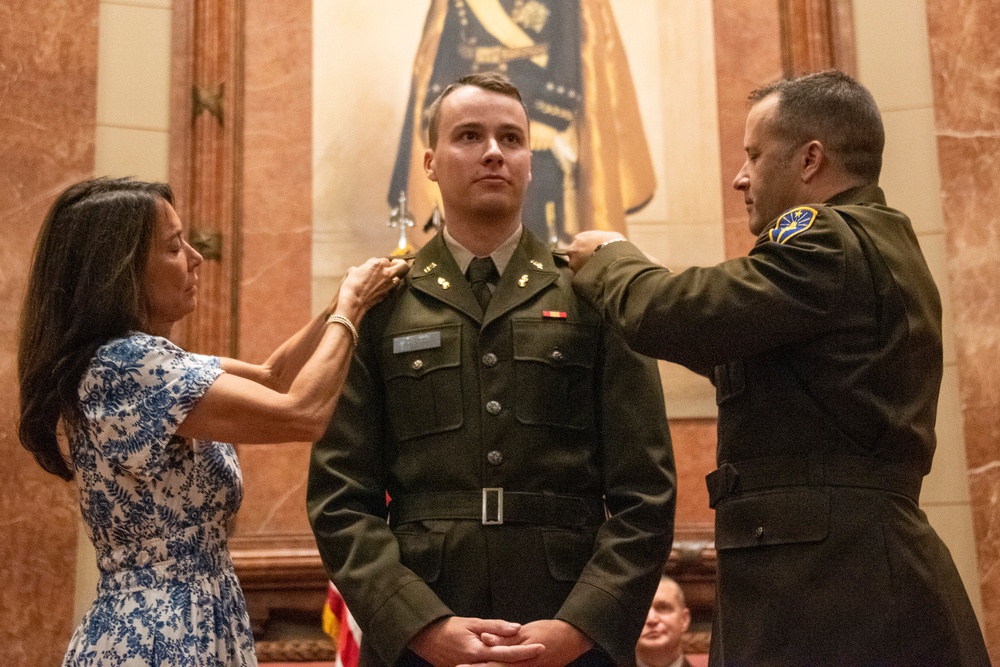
<point x="494" y="408"/>
<point x="495" y="458"/>
<point x="556" y="355"/>
<point x="489" y="360"/>
<point x="417" y="364"/>
<point x="759" y="532"/>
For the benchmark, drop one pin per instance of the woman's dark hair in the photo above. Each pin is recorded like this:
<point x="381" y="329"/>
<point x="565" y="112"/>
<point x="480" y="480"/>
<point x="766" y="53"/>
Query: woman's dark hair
<point x="84" y="289"/>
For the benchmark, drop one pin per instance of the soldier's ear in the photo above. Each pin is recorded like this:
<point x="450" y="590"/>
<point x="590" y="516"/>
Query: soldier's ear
<point x="429" y="165"/>
<point x="813" y="158"/>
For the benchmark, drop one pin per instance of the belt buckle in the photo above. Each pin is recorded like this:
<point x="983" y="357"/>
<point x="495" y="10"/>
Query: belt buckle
<point x="489" y="520"/>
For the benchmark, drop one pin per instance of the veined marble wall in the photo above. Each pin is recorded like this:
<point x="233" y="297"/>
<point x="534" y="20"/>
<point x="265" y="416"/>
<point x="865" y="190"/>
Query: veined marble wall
<point x="749" y="27"/>
<point x="912" y="175"/>
<point x="275" y="274"/>
<point x="966" y="83"/>
<point x="48" y="74"/>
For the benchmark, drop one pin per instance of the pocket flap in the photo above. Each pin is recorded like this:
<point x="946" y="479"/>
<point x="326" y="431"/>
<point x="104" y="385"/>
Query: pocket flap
<point x="555" y="343"/>
<point x="788" y="516"/>
<point x="418" y="360"/>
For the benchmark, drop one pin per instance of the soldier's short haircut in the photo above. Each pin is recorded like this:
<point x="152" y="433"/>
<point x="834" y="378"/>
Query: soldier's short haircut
<point x="492" y="81"/>
<point x="835" y="109"/>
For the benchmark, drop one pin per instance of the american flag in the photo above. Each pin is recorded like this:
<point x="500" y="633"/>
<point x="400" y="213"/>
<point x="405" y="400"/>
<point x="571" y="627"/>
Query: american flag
<point x="341" y="626"/>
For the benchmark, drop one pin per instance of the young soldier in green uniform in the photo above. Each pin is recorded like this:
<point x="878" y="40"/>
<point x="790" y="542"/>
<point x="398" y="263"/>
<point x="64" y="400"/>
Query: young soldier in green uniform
<point x="524" y="447"/>
<point x="826" y="348"/>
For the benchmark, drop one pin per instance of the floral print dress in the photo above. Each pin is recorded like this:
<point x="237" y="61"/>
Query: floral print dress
<point x="156" y="507"/>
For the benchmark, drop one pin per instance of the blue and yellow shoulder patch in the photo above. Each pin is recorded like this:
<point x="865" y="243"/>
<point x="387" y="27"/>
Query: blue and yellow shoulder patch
<point x="793" y="222"/>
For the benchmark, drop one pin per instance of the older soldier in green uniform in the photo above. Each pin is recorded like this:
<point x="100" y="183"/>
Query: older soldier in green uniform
<point x="826" y="348"/>
<point x="524" y="447"/>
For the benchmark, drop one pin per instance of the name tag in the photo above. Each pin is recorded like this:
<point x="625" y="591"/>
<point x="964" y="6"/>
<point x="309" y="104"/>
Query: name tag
<point x="414" y="342"/>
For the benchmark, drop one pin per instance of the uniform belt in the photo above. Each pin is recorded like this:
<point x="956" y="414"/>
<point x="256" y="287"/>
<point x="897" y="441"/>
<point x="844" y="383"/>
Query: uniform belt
<point x="779" y="471"/>
<point x="494" y="506"/>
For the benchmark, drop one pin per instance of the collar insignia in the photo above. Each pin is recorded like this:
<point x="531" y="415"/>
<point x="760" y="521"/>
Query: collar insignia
<point x="430" y="267"/>
<point x="793" y="222"/>
<point x="538" y="265"/>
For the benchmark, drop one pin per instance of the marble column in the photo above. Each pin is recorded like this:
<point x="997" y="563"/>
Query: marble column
<point x="48" y="82"/>
<point x="965" y="64"/>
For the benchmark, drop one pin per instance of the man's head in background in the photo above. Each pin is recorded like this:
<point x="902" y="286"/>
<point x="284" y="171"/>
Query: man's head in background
<point x="668" y="619"/>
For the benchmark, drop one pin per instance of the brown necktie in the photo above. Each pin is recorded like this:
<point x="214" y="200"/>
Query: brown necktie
<point x="482" y="273"/>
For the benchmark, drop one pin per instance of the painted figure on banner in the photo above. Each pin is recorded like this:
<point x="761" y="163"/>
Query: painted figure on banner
<point x="590" y="161"/>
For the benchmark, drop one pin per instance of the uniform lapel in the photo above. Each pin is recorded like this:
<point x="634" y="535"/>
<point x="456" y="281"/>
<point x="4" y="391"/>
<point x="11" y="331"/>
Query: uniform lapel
<point x="530" y="270"/>
<point x="436" y="274"/>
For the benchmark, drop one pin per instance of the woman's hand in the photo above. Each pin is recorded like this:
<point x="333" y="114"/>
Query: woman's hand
<point x="366" y="285"/>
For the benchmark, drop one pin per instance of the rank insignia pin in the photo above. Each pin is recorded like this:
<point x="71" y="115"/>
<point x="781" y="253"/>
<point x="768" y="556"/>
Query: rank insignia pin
<point x="523" y="280"/>
<point x="443" y="283"/>
<point x="430" y="267"/>
<point x="538" y="265"/>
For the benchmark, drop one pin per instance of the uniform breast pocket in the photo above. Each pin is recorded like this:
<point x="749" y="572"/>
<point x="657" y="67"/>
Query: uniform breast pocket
<point x="423" y="381"/>
<point x="554" y="373"/>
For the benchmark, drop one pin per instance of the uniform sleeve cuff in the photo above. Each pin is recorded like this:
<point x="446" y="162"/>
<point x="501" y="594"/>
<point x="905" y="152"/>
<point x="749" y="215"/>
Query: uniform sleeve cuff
<point x="412" y="608"/>
<point x="599" y="615"/>
<point x="589" y="280"/>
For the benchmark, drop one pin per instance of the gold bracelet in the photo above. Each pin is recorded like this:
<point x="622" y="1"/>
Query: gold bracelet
<point x="340" y="319"/>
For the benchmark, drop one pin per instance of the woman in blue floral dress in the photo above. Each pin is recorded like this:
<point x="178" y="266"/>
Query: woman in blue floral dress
<point x="147" y="422"/>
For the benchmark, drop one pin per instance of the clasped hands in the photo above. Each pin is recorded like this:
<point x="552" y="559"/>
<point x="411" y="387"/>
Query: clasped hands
<point x="477" y="642"/>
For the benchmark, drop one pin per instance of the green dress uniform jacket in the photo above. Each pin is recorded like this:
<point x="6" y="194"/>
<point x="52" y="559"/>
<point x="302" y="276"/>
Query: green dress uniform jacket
<point x="826" y="347"/>
<point x="446" y="410"/>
